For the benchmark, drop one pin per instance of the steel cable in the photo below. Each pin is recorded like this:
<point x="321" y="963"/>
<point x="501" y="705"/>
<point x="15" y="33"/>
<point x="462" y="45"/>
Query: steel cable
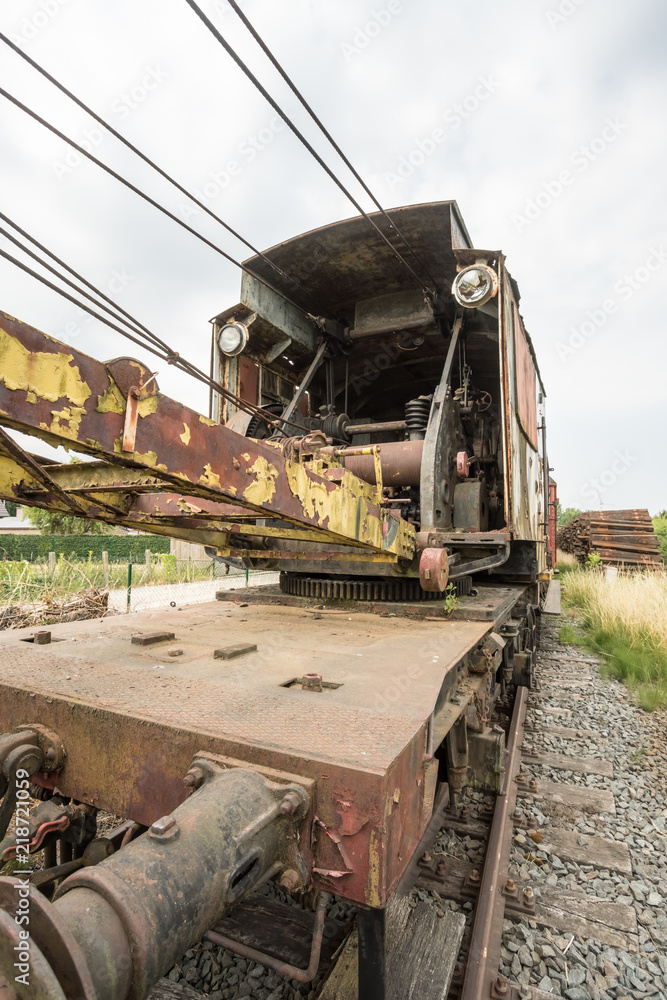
<point x="154" y="345"/>
<point x="290" y="124"/>
<point x="142" y="194"/>
<point x="150" y="162"/>
<point x="269" y="54"/>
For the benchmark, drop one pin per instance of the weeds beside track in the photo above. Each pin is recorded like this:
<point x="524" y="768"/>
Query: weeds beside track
<point x="626" y="620"/>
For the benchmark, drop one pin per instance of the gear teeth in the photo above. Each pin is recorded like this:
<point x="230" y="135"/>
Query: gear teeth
<point x="364" y="590"/>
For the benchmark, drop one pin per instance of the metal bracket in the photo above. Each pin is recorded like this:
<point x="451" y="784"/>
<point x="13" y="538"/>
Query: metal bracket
<point x="132" y="380"/>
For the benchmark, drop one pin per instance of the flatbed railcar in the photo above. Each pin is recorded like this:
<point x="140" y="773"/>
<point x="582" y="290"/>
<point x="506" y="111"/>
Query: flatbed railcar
<point x="381" y="448"/>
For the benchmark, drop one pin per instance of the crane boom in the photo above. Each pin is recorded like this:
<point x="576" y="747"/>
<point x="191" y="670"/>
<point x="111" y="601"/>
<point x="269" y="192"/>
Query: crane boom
<point x="161" y="467"/>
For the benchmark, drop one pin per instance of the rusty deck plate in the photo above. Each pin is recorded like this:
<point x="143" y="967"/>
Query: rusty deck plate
<point x="133" y="716"/>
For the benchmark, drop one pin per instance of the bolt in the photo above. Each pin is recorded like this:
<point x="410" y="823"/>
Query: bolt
<point x="290" y="804"/>
<point x="289" y="880"/>
<point x="516" y="815"/>
<point x="532" y="784"/>
<point x="312" y="682"/>
<point x="50" y="756"/>
<point x="509" y="885"/>
<point x="441" y="869"/>
<point x="475" y="876"/>
<point x="194" y="778"/>
<point x="487" y="808"/>
<point x="42" y="638"/>
<point x="529" y="896"/>
<point x="426" y="858"/>
<point x="163" y="825"/>
<point x="501" y="985"/>
<point x="465" y="814"/>
<point x="532" y="823"/>
<point x="458" y="971"/>
<point x="520" y="779"/>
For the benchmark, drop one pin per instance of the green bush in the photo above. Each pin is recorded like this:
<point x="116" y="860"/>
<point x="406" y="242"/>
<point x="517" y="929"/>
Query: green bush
<point x="121" y="548"/>
<point x="660" y="528"/>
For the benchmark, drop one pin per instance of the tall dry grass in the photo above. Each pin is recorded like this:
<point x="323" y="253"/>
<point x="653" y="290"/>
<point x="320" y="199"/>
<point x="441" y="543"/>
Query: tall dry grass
<point x="626" y="619"/>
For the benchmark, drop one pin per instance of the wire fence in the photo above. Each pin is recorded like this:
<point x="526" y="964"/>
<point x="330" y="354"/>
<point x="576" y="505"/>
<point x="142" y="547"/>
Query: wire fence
<point x="213" y="576"/>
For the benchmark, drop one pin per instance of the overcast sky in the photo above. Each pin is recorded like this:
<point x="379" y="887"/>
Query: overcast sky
<point x="544" y="119"/>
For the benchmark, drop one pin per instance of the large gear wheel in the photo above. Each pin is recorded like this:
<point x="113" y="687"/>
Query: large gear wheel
<point x="388" y="589"/>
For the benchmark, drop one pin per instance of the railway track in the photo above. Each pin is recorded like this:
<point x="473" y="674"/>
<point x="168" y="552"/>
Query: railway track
<point x="555" y="888"/>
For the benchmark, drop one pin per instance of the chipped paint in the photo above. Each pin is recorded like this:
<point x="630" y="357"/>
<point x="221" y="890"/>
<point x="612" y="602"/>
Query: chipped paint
<point x="264" y="487"/>
<point x="148" y="404"/>
<point x="210" y="478"/>
<point x="207" y="421"/>
<point x="311" y="495"/>
<point x="148" y="458"/>
<point x="48" y="376"/>
<point x="113" y="401"/>
<point x="185" y="506"/>
<point x="185" y="436"/>
<point x="66" y="422"/>
<point x="373" y="878"/>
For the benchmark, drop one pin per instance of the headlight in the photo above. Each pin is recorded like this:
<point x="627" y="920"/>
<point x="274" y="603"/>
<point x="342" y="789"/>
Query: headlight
<point x="475" y="285"/>
<point x="232" y="338"/>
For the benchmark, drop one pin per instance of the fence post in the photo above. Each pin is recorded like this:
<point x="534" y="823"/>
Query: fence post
<point x="52" y="562"/>
<point x="105" y="567"/>
<point x="148" y="559"/>
<point x="247" y="573"/>
<point x="129" y="585"/>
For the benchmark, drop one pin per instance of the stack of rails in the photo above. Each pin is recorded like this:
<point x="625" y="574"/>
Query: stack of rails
<point x="619" y="537"/>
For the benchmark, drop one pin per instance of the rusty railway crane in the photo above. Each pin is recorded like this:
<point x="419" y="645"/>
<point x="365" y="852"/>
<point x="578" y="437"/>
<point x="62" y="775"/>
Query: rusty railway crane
<point x="395" y="455"/>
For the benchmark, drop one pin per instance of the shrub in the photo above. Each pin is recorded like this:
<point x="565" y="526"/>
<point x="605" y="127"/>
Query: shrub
<point x="121" y="548"/>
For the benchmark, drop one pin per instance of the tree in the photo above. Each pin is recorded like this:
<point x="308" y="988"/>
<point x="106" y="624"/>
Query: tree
<point x="660" y="528"/>
<point x="59" y="523"/>
<point x="567" y="514"/>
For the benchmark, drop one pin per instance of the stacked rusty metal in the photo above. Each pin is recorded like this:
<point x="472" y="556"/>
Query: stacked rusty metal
<point x="619" y="537"/>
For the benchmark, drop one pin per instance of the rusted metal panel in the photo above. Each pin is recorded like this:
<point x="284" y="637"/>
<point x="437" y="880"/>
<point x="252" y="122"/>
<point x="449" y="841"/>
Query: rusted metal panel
<point x="346" y="262"/>
<point x="524" y="501"/>
<point x="132" y="717"/>
<point x="526" y="380"/>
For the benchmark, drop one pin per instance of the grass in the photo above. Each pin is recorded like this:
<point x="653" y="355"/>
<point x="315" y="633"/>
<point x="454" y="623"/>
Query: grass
<point x="568" y="636"/>
<point x="24" y="582"/>
<point x="626" y="620"/>
<point x="565" y="560"/>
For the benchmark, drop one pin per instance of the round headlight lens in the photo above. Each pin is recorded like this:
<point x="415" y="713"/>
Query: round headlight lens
<point x="232" y="338"/>
<point x="475" y="285"/>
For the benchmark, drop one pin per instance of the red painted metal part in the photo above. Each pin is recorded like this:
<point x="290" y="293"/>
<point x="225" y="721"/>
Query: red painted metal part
<point x="433" y="570"/>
